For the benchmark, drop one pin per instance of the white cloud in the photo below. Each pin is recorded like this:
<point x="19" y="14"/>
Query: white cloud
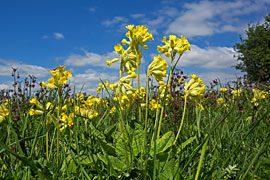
<point x="89" y="80"/>
<point x="168" y="11"/>
<point x="24" y="69"/>
<point x="6" y="85"/>
<point x="90" y="58"/>
<point x="92" y="10"/>
<point x="45" y="37"/>
<point x="58" y="35"/>
<point x="137" y="16"/>
<point x="115" y="20"/>
<point x="206" y="18"/>
<point x="223" y="77"/>
<point x="210" y="58"/>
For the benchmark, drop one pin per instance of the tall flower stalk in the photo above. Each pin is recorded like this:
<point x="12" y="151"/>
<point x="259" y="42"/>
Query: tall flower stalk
<point x="60" y="77"/>
<point x="173" y="46"/>
<point x="157" y="69"/>
<point x="194" y="89"/>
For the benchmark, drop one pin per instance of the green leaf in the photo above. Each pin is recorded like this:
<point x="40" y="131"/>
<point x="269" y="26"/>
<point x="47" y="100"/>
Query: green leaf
<point x="97" y="133"/>
<point x="69" y="164"/>
<point x="113" y="162"/>
<point x="184" y="144"/>
<point x="137" y="142"/>
<point x="169" y="172"/>
<point x="108" y="148"/>
<point x="85" y="160"/>
<point x="163" y="143"/>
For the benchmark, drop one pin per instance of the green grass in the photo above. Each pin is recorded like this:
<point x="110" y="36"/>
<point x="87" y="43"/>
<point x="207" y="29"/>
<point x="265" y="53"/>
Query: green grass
<point x="220" y="142"/>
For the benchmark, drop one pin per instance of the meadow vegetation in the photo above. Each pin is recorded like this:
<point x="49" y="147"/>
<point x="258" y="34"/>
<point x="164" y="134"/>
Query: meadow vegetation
<point x="172" y="127"/>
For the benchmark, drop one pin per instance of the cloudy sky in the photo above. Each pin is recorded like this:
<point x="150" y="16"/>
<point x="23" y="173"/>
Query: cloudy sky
<point x="36" y="35"/>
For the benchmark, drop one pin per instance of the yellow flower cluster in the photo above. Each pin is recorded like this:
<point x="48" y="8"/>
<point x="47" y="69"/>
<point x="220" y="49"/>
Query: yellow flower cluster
<point x="223" y="90"/>
<point x="158" y="68"/>
<point x="258" y="94"/>
<point x="60" y="77"/>
<point x="174" y="45"/>
<point x="131" y="57"/>
<point x="220" y="101"/>
<point x="154" y="105"/>
<point x="236" y="92"/>
<point x="125" y="93"/>
<point x="88" y="107"/>
<point x="50" y="117"/>
<point x="194" y="88"/>
<point x="101" y="86"/>
<point x="3" y="111"/>
<point x="66" y="121"/>
<point x="137" y="36"/>
<point x="161" y="91"/>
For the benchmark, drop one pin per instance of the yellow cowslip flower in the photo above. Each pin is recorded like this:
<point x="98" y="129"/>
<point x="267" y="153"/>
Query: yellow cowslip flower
<point x="124" y="93"/>
<point x="36" y="102"/>
<point x="180" y="81"/>
<point x="77" y="109"/>
<point x="60" y="77"/>
<point x="138" y="35"/>
<point x="51" y="86"/>
<point x="119" y="49"/>
<point x="223" y="90"/>
<point x="113" y="110"/>
<point x="142" y="93"/>
<point x="112" y="61"/>
<point x="131" y="57"/>
<point x="237" y="92"/>
<point x="66" y="121"/>
<point x="4" y="111"/>
<point x="162" y="89"/>
<point x="128" y="59"/>
<point x="195" y="87"/>
<point x="220" y="101"/>
<point x="106" y="84"/>
<point x="98" y="90"/>
<point x="80" y="96"/>
<point x="101" y="86"/>
<point x="258" y="94"/>
<point x="125" y="42"/>
<point x="88" y="112"/>
<point x="49" y="105"/>
<point x="130" y="27"/>
<point x="200" y="106"/>
<point x="6" y="102"/>
<point x="64" y="108"/>
<point x="154" y="105"/>
<point x="174" y="45"/>
<point x="35" y="112"/>
<point x="158" y="68"/>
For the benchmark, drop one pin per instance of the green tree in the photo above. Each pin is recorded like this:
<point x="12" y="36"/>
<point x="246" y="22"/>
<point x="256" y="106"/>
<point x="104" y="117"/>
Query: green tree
<point x="254" y="52"/>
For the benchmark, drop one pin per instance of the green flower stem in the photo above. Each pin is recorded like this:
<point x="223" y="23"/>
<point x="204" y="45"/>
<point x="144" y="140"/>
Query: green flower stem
<point x="47" y="145"/>
<point x="155" y="145"/>
<point x="183" y="117"/>
<point x="155" y="127"/>
<point x="146" y="110"/>
<point x="204" y="148"/>
<point x="165" y="94"/>
<point x="57" y="124"/>
<point x="139" y="93"/>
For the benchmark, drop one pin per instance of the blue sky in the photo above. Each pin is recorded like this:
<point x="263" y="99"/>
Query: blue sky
<point x="36" y="35"/>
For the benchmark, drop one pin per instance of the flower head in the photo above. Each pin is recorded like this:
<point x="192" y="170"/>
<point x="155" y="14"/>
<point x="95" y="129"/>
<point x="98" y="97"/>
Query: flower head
<point x="60" y="77"/>
<point x="174" y="45"/>
<point x="157" y="68"/>
<point x="195" y="87"/>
